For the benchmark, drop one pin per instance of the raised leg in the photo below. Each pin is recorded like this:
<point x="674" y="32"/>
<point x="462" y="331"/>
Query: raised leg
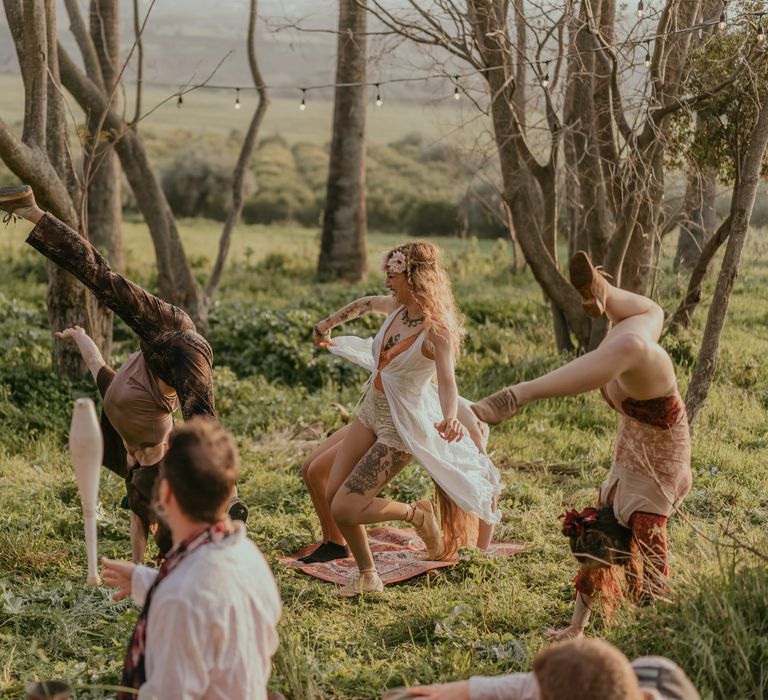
<point x="148" y="316"/>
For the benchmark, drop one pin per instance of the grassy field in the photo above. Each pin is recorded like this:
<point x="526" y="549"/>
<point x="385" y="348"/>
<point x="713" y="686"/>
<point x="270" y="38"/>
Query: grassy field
<point x="480" y="616"/>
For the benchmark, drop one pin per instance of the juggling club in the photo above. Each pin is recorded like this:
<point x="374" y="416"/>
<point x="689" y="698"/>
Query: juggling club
<point x="86" y="446"/>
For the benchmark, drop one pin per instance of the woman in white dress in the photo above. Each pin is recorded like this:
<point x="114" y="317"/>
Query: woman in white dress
<point x="402" y="418"/>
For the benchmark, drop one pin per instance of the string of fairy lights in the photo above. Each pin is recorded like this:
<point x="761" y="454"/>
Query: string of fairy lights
<point x="541" y="68"/>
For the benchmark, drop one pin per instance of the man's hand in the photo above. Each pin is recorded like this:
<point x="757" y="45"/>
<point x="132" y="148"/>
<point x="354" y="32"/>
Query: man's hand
<point x="70" y="333"/>
<point x="450" y="429"/>
<point x="118" y="574"/>
<point x="440" y="691"/>
<point x="570" y="632"/>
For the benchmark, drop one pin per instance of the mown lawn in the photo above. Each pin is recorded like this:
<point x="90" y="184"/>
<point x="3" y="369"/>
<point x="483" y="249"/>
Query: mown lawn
<point x="483" y="615"/>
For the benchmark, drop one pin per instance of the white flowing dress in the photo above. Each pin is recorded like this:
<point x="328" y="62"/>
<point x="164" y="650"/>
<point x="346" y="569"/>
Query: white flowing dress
<point x="469" y="477"/>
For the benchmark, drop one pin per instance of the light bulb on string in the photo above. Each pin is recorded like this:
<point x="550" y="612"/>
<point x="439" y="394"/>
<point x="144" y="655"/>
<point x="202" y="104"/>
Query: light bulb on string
<point x="640" y="10"/>
<point x="379" y="101"/>
<point x="647" y="53"/>
<point x="180" y="101"/>
<point x="545" y="79"/>
<point x="456" y="93"/>
<point x="303" y="104"/>
<point x="722" y="24"/>
<point x="237" y="98"/>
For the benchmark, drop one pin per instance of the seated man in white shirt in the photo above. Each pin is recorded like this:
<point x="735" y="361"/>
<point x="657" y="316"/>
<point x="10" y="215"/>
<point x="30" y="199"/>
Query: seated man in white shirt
<point x="208" y="626"/>
<point x="579" y="669"/>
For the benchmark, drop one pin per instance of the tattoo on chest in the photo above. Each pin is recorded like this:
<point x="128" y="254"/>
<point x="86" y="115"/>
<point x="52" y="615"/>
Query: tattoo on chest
<point x="375" y="469"/>
<point x="393" y="340"/>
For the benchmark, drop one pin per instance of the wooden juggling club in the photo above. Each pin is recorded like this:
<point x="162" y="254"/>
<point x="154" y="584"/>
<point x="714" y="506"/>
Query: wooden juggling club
<point x="86" y="446"/>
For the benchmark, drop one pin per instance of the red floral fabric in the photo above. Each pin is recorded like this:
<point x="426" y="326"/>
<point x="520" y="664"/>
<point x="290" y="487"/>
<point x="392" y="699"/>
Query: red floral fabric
<point x="662" y="412"/>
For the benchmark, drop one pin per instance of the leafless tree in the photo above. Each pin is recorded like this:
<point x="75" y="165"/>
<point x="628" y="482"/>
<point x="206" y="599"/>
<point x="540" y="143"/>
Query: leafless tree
<point x="343" y="245"/>
<point x="612" y="130"/>
<point x="42" y="158"/>
<point x="741" y="212"/>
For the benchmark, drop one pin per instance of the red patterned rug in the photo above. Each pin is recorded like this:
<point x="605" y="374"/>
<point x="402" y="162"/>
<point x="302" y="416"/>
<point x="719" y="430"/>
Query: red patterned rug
<point x="397" y="553"/>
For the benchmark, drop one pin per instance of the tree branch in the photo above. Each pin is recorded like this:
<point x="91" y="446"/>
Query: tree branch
<point x="238" y="176"/>
<point x="84" y="42"/>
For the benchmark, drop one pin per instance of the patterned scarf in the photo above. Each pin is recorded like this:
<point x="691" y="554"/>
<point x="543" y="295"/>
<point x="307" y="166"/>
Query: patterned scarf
<point x="134" y="674"/>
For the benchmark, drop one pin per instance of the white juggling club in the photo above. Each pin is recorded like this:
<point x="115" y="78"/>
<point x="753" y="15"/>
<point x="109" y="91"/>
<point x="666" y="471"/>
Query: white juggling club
<point x="86" y="446"/>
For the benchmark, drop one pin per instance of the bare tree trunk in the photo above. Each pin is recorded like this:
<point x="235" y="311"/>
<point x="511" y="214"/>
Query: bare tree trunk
<point x="744" y="196"/>
<point x="343" y="246"/>
<point x="68" y="302"/>
<point x="104" y="186"/>
<point x="698" y="216"/>
<point x="103" y="212"/>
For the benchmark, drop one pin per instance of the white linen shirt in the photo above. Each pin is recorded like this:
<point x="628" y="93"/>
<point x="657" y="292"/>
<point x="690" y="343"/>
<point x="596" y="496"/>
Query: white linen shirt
<point x="212" y="626"/>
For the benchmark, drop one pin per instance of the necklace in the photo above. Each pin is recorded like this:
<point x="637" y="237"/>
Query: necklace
<point x="409" y="322"/>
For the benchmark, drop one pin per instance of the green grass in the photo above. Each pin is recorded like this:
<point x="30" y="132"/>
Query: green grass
<point x="480" y="616"/>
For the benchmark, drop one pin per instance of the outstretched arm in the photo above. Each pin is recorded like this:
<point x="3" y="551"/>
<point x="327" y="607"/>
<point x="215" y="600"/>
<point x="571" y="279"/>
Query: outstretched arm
<point x="91" y="354"/>
<point x="449" y="428"/>
<point x="359" y="307"/>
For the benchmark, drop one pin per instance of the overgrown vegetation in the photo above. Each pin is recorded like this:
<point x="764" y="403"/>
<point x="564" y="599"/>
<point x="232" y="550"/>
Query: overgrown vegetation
<point x="480" y="616"/>
<point x="411" y="185"/>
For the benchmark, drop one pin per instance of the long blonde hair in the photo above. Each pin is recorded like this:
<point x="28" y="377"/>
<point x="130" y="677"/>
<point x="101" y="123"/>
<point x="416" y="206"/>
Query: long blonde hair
<point x="428" y="282"/>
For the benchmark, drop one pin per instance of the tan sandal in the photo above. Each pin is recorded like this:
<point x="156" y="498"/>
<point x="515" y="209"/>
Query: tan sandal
<point x="497" y="407"/>
<point x="367" y="582"/>
<point x="590" y="282"/>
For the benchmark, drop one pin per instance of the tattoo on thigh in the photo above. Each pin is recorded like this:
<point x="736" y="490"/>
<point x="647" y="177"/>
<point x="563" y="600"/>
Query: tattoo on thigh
<point x="379" y="465"/>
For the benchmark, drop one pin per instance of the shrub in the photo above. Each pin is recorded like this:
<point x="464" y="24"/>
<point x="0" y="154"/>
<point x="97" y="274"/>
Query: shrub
<point x="277" y="345"/>
<point x="434" y="218"/>
<point x="282" y="194"/>
<point x="199" y="182"/>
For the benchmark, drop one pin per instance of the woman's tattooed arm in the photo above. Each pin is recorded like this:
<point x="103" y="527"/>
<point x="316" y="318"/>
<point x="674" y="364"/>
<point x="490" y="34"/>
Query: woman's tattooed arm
<point x="354" y="310"/>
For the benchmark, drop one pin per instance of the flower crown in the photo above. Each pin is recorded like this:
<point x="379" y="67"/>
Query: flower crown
<point x="396" y="262"/>
<point x="575" y="522"/>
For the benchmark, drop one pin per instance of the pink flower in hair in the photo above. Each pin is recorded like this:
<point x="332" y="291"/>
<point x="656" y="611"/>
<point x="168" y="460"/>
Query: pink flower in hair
<point x="397" y="262"/>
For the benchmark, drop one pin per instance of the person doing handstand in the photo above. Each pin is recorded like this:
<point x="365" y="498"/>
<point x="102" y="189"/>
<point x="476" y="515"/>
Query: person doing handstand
<point x="171" y="370"/>
<point x="402" y="418"/>
<point x="651" y="470"/>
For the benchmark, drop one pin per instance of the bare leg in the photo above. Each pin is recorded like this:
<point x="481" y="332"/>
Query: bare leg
<point x="485" y="530"/>
<point x="629" y="354"/>
<point x="356" y="503"/>
<point x="356" y="443"/>
<point x="316" y="472"/>
<point x="138" y="539"/>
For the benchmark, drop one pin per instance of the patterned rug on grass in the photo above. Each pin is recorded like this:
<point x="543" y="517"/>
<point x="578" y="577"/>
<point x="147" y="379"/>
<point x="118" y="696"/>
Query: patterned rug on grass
<point x="397" y="553"/>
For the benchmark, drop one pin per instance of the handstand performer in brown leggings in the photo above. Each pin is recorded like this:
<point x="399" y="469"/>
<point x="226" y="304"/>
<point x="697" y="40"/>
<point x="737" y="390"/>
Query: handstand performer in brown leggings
<point x="171" y="370"/>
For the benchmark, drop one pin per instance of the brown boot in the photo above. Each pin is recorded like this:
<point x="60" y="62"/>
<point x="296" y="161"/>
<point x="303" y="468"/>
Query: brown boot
<point x="590" y="283"/>
<point x="497" y="407"/>
<point x="15" y="198"/>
